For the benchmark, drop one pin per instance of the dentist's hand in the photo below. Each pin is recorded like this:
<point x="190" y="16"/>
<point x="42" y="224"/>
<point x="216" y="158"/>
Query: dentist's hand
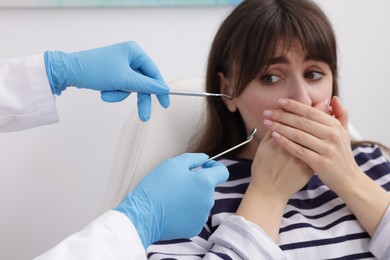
<point x="115" y="70"/>
<point x="174" y="200"/>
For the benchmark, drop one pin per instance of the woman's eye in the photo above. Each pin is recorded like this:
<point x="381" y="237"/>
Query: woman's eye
<point x="314" y="75"/>
<point x="270" y="79"/>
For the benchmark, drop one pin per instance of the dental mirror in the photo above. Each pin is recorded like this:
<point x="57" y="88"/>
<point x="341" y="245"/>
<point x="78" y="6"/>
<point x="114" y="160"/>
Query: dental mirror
<point x="248" y="139"/>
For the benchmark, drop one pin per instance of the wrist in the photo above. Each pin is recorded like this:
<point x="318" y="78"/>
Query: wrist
<point x="367" y="200"/>
<point x="275" y="195"/>
<point x="347" y="182"/>
<point x="263" y="209"/>
<point x="141" y="212"/>
<point x="58" y="70"/>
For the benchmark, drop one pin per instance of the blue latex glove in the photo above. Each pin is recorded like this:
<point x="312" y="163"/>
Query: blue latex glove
<point x="115" y="70"/>
<point x="175" y="199"/>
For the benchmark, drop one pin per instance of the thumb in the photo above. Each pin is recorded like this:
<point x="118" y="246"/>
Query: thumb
<point x="137" y="82"/>
<point x="215" y="172"/>
<point x="340" y="113"/>
<point x="193" y="160"/>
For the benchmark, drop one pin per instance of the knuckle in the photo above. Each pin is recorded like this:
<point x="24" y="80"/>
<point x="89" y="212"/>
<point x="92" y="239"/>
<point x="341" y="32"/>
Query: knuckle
<point x="132" y="43"/>
<point x="298" y="137"/>
<point x="334" y="137"/>
<point x="300" y="152"/>
<point x="323" y="163"/>
<point x="301" y="122"/>
<point x="312" y="113"/>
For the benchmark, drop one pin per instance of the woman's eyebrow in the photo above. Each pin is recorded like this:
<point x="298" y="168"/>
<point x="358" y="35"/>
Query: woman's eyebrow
<point x="277" y="60"/>
<point x="313" y="58"/>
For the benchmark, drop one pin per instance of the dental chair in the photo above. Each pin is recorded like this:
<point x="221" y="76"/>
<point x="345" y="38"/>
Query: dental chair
<point x="143" y="146"/>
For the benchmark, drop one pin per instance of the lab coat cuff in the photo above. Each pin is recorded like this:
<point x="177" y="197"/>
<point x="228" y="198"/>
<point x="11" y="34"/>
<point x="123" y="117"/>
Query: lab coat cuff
<point x="126" y="233"/>
<point x="40" y="87"/>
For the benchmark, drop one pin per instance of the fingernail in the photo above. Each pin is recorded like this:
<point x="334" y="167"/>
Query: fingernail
<point x="282" y="101"/>
<point x="268" y="113"/>
<point x="276" y="135"/>
<point x="267" y="122"/>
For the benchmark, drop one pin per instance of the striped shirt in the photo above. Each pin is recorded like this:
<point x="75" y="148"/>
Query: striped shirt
<point x="316" y="223"/>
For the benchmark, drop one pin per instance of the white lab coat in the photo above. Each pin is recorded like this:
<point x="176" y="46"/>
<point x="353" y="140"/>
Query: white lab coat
<point x="111" y="236"/>
<point x="26" y="101"/>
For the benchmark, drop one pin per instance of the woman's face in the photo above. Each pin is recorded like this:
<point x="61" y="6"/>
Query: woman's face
<point x="289" y="75"/>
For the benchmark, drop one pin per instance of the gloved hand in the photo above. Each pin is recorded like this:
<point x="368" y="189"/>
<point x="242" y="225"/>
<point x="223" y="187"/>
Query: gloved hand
<point x="175" y="199"/>
<point x="115" y="70"/>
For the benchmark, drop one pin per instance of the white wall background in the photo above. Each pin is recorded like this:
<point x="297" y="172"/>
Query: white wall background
<point x="53" y="178"/>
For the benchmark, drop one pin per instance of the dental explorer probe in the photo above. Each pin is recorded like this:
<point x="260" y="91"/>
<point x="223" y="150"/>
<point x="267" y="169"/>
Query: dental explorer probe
<point x="197" y="94"/>
<point x="248" y="139"/>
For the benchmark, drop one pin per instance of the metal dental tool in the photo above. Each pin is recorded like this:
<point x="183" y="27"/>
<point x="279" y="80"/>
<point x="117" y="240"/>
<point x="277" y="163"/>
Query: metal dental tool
<point x="248" y="139"/>
<point x="197" y="94"/>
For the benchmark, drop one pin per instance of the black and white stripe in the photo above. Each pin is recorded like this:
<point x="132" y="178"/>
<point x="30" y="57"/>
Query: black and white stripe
<point x="316" y="223"/>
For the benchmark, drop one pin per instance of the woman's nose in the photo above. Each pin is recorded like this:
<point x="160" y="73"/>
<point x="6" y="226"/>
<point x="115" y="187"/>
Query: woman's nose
<point x="299" y="91"/>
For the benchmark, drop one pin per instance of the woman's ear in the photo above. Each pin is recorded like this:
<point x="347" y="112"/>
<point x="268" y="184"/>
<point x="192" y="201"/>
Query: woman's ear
<point x="224" y="88"/>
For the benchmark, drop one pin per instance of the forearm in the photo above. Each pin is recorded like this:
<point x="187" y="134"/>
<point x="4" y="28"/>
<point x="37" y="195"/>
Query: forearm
<point x="238" y="238"/>
<point x="26" y="99"/>
<point x="367" y="200"/>
<point x="263" y="209"/>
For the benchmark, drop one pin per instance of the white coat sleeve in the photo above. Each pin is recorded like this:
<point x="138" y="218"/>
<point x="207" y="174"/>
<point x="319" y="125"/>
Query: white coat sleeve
<point x="111" y="236"/>
<point x="240" y="239"/>
<point x="26" y="100"/>
<point x="380" y="246"/>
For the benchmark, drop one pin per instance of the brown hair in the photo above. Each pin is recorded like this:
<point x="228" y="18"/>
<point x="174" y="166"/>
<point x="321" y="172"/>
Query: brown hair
<point x="244" y="43"/>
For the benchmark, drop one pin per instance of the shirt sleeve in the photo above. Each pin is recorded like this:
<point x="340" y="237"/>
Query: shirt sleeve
<point x="237" y="238"/>
<point x="380" y="246"/>
<point x="111" y="236"/>
<point x="26" y="100"/>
